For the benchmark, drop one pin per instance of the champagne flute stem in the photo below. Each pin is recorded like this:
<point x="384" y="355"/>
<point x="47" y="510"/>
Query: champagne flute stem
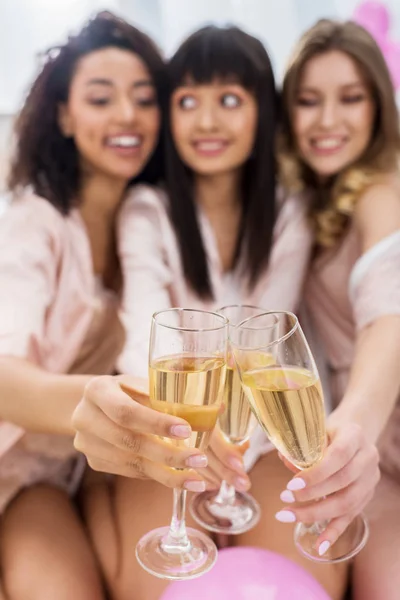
<point x="226" y="494"/>
<point x="318" y="527"/>
<point x="176" y="541"/>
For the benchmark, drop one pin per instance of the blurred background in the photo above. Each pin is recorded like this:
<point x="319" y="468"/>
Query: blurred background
<point x="29" y="26"/>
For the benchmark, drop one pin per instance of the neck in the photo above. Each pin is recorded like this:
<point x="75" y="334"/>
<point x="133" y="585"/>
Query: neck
<point x="216" y="193"/>
<point x="100" y="198"/>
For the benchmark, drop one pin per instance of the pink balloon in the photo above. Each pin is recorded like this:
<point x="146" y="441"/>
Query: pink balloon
<point x="391" y="52"/>
<point x="374" y="17"/>
<point x="249" y="574"/>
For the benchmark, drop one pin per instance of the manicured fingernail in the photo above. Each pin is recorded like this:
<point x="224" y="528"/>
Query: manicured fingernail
<point x="241" y="484"/>
<point x="296" y="484"/>
<point x="285" y="516"/>
<point x="181" y="431"/>
<point x="287" y="496"/>
<point x="324" y="547"/>
<point x="236" y="464"/>
<point x="195" y="486"/>
<point x="199" y="460"/>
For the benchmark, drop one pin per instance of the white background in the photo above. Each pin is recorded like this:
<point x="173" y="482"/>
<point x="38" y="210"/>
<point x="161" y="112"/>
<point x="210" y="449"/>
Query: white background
<point x="27" y="27"/>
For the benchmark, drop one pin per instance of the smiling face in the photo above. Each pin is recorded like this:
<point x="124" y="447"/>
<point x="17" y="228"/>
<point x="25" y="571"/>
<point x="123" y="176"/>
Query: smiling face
<point x="112" y="113"/>
<point x="333" y="116"/>
<point x="213" y="126"/>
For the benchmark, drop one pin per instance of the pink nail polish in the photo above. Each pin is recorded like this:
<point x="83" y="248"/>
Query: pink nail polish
<point x="197" y="461"/>
<point x="324" y="547"/>
<point x="296" y="484"/>
<point x="287" y="496"/>
<point x="195" y="486"/>
<point x="285" y="516"/>
<point x="180" y="431"/>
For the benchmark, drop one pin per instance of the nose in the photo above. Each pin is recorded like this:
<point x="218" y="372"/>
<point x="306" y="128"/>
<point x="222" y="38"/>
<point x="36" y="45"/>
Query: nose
<point x="126" y="111"/>
<point x="328" y="115"/>
<point x="207" y="118"/>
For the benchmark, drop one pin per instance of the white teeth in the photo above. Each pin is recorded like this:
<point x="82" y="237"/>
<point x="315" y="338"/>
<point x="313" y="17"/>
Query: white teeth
<point x="124" y="141"/>
<point x="327" y="144"/>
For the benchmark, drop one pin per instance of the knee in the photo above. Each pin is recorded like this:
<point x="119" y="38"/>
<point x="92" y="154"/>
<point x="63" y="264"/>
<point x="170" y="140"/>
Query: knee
<point x="23" y="584"/>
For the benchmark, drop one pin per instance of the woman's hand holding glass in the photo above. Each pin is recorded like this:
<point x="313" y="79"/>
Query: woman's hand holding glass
<point x="338" y="488"/>
<point x="225" y="463"/>
<point x="287" y="397"/>
<point x="120" y="433"/>
<point x="187" y="368"/>
<point x="230" y="510"/>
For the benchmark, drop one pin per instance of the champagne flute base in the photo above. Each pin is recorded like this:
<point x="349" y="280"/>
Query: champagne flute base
<point x="241" y="514"/>
<point x="346" y="547"/>
<point x="176" y="563"/>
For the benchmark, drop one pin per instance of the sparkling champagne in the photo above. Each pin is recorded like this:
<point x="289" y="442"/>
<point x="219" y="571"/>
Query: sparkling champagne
<point x="288" y="402"/>
<point x="189" y="387"/>
<point x="237" y="421"/>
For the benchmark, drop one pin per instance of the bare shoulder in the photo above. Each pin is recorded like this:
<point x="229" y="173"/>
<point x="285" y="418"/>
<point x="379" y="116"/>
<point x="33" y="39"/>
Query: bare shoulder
<point x="377" y="212"/>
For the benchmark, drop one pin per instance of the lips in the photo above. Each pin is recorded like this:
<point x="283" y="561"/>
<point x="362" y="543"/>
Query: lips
<point x="210" y="147"/>
<point x="328" y="144"/>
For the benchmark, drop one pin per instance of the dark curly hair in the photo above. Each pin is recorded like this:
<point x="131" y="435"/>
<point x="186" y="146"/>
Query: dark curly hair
<point x="44" y="158"/>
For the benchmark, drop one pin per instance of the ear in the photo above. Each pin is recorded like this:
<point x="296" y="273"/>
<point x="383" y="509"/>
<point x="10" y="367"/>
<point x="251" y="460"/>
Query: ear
<point x="65" y="121"/>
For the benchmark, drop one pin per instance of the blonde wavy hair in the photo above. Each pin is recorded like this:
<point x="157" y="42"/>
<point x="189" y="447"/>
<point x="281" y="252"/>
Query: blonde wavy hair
<point x="333" y="204"/>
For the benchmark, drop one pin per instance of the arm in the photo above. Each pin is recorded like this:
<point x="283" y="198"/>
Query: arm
<point x="112" y="425"/>
<point x="28" y="264"/>
<point x="375" y="378"/>
<point x="374" y="382"/>
<point x="37" y="410"/>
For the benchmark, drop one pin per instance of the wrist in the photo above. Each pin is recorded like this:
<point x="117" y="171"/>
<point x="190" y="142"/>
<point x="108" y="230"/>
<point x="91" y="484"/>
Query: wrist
<point x="351" y="412"/>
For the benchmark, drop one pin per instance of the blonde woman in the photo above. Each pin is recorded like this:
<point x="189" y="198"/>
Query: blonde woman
<point x="340" y="148"/>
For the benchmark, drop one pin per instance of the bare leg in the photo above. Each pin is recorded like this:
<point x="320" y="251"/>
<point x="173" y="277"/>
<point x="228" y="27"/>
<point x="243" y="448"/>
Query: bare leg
<point x="269" y="478"/>
<point x="117" y="517"/>
<point x="377" y="567"/>
<point x="2" y="596"/>
<point x="45" y="554"/>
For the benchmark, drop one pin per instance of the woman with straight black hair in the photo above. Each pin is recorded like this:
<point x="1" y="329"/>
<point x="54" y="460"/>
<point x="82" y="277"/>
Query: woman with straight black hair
<point x="214" y="235"/>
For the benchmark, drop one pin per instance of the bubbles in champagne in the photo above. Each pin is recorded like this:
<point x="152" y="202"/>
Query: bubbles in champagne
<point x="288" y="402"/>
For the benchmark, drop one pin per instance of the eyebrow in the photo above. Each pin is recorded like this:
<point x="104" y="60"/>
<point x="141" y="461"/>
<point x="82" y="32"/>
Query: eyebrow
<point x="344" y="86"/>
<point x="107" y="82"/>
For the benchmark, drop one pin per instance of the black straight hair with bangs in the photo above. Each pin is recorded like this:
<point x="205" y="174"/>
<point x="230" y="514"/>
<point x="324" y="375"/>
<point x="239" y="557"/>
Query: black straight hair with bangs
<point x="226" y="54"/>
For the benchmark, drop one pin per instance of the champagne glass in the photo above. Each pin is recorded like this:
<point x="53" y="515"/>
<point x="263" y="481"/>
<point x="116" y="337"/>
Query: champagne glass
<point x="228" y="511"/>
<point x="187" y="367"/>
<point x="287" y="399"/>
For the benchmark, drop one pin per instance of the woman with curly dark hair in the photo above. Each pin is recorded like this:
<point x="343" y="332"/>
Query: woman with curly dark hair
<point x="88" y="130"/>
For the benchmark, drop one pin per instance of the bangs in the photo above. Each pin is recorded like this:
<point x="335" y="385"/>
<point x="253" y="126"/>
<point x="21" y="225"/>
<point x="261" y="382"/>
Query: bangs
<point x="215" y="54"/>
